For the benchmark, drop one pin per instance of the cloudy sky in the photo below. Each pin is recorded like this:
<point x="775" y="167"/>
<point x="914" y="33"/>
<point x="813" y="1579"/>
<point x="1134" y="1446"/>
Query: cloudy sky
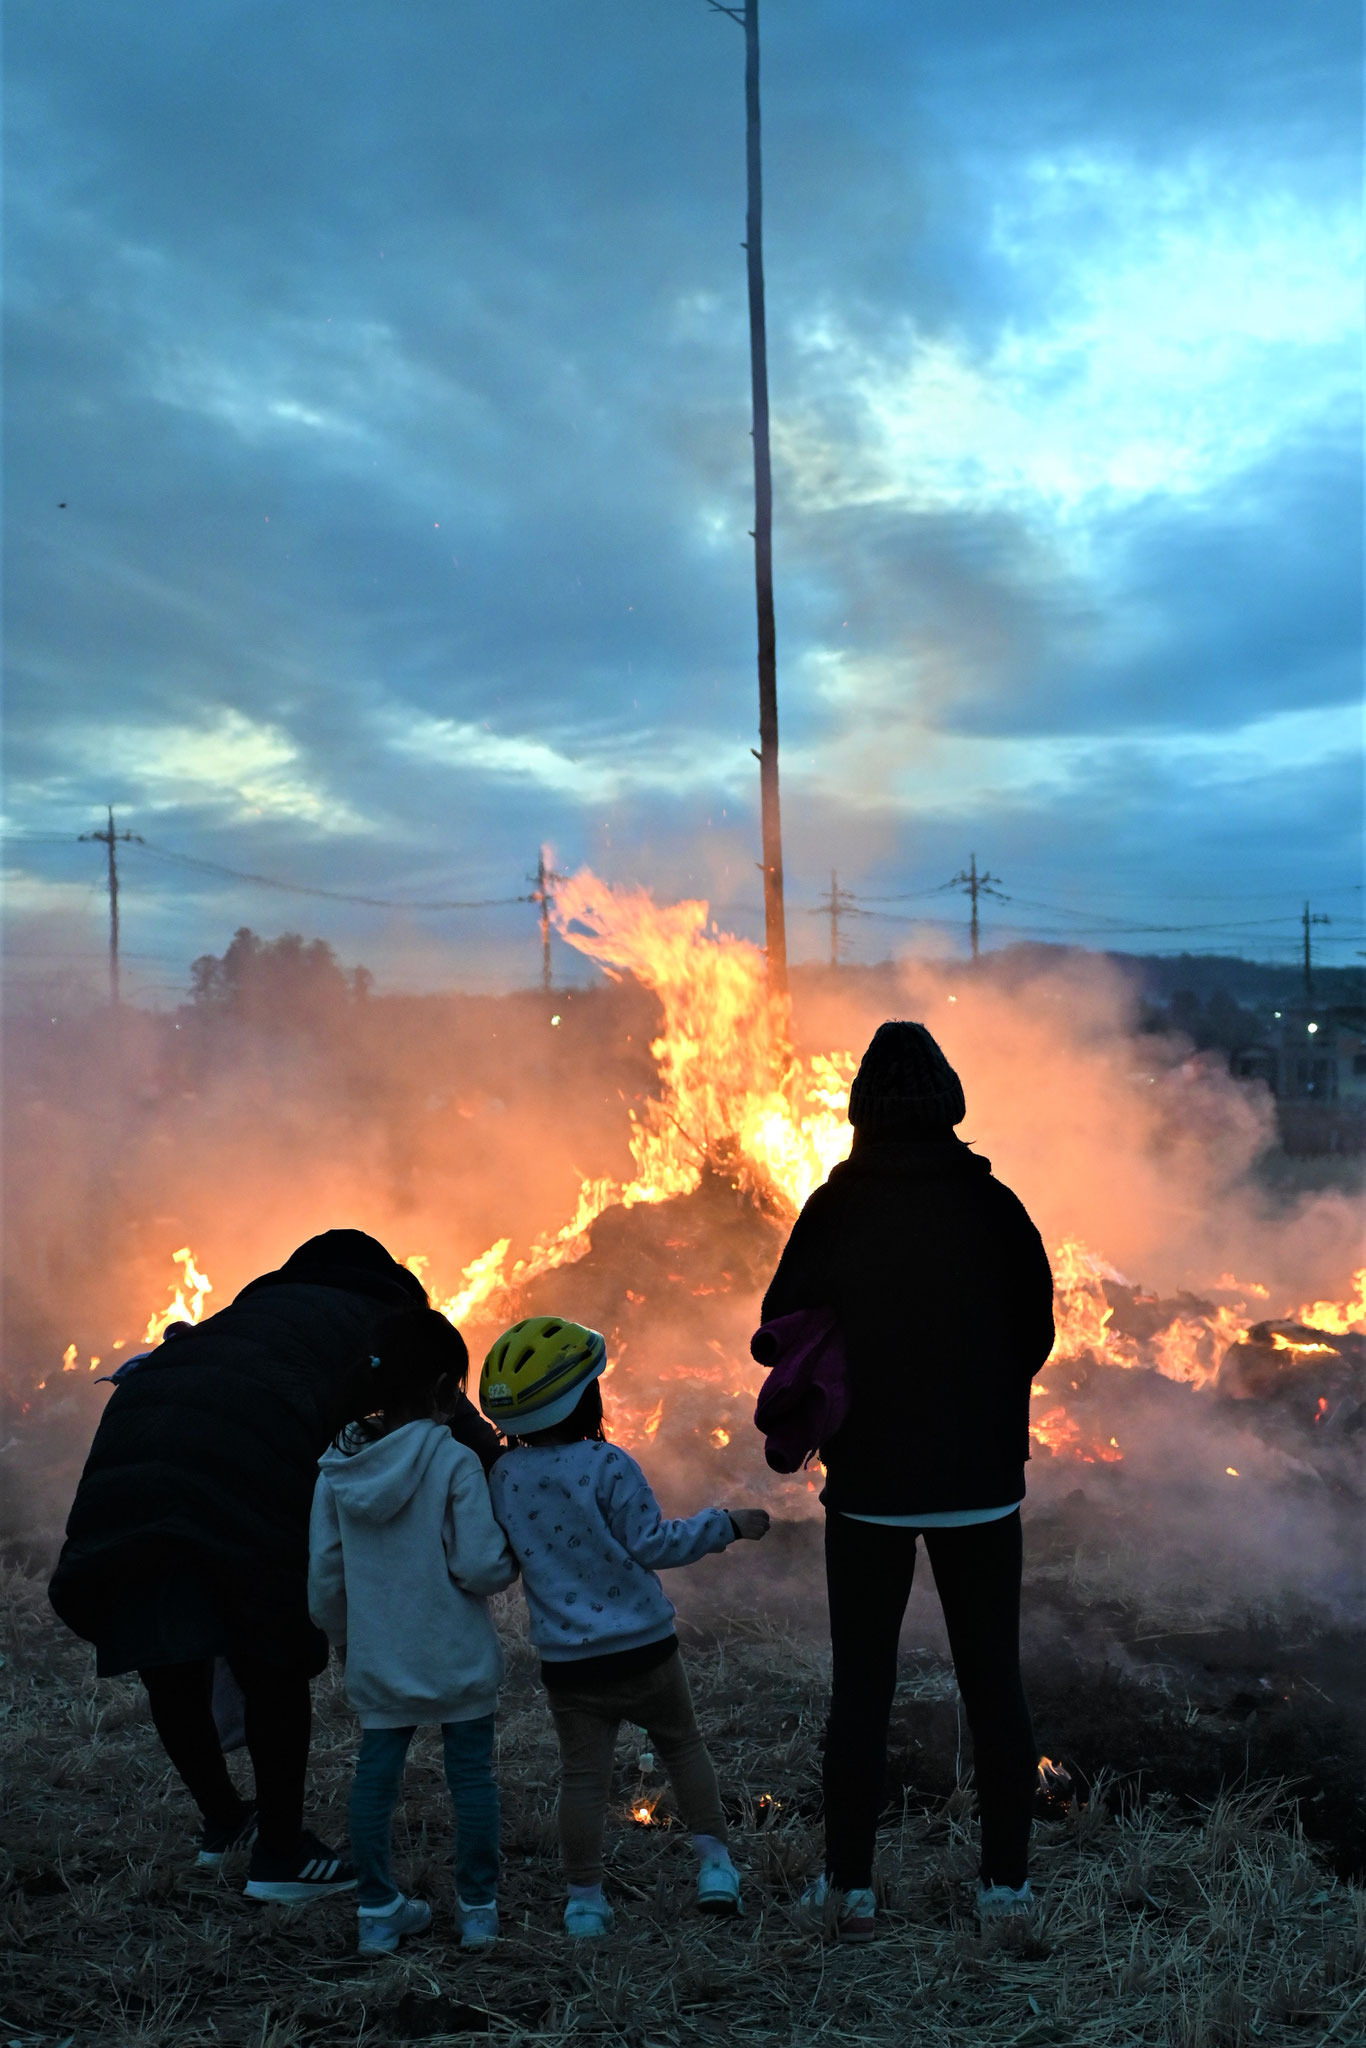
<point x="377" y="467"/>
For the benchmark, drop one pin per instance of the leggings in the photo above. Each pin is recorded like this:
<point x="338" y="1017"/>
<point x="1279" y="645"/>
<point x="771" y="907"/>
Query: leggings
<point x="587" y="1720"/>
<point x="279" y="1717"/>
<point x="869" y="1569"/>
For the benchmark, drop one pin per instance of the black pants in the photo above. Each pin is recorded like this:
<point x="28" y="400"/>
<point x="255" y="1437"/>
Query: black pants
<point x="279" y="1720"/>
<point x="977" y="1573"/>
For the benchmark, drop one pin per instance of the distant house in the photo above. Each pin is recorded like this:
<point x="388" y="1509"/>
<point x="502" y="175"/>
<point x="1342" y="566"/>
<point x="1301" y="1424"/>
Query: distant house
<point x="1314" y="1062"/>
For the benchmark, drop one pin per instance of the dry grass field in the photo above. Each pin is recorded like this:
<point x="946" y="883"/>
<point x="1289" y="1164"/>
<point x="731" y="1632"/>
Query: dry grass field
<point x="1204" y="1927"/>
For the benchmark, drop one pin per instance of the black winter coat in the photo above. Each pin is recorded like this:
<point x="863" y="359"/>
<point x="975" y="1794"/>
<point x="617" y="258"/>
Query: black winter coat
<point x="205" y="1458"/>
<point x="945" y="1298"/>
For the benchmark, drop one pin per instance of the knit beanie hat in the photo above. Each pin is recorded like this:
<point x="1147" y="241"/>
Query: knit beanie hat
<point x="905" y="1083"/>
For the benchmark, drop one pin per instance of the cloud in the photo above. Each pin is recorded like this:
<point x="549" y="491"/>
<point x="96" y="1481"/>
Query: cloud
<point x="1166" y="334"/>
<point x="226" y="762"/>
<point x="881" y="752"/>
<point x="596" y="773"/>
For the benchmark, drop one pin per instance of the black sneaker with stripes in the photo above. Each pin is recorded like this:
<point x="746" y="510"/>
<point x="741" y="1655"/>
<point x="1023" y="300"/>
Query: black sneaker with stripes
<point x="217" y="1842"/>
<point x="313" y="1872"/>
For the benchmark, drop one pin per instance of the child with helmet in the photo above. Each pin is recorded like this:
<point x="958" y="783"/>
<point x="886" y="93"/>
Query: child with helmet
<point x="589" y="1537"/>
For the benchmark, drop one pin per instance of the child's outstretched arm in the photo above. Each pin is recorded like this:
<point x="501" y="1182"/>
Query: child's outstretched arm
<point x="326" y="1578"/>
<point x="646" y="1535"/>
<point x="477" y="1553"/>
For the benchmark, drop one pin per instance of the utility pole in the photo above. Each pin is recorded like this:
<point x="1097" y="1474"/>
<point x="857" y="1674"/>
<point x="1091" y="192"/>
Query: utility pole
<point x="1318" y="917"/>
<point x="109" y="839"/>
<point x="545" y="879"/>
<point x="775" y="929"/>
<point x="976" y="885"/>
<point x="839" y="903"/>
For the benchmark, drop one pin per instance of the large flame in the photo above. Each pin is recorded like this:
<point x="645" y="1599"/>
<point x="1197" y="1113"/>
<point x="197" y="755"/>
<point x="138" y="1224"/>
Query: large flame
<point x="733" y="1093"/>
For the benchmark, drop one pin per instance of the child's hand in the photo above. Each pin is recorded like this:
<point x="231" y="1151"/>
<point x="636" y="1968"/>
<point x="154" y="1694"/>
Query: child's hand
<point x="750" y="1523"/>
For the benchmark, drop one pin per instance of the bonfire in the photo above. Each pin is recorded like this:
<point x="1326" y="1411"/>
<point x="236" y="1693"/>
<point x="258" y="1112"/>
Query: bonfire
<point x="739" y="1131"/>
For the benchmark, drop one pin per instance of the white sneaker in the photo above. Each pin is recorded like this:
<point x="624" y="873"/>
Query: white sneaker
<point x="588" y="1919"/>
<point x="718" y="1886"/>
<point x="382" y="1928"/>
<point x="478" y="1924"/>
<point x="856" y="1920"/>
<point x="1000" y="1902"/>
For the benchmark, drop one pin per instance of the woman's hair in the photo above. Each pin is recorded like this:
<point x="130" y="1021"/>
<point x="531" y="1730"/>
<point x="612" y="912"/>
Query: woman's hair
<point x="409" y="1355"/>
<point x="583" y="1424"/>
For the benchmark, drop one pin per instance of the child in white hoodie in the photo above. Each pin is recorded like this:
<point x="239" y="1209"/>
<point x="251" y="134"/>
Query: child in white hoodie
<point x="403" y="1552"/>
<point x="589" y="1536"/>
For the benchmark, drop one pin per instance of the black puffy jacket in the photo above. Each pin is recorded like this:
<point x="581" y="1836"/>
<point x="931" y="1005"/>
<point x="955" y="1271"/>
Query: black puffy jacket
<point x="206" y="1457"/>
<point x="943" y="1291"/>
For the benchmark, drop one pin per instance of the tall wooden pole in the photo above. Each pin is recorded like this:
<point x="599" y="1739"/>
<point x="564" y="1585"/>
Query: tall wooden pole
<point x="775" y="930"/>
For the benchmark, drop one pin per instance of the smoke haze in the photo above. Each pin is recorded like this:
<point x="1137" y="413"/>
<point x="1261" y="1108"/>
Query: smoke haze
<point x="444" y="1124"/>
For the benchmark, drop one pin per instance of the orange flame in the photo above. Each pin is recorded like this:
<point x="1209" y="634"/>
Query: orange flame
<point x="1298" y="1348"/>
<point x="185" y="1307"/>
<point x="1339" y="1319"/>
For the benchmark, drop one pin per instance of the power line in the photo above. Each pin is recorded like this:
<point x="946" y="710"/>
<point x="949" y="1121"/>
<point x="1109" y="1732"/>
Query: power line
<point x="213" y="867"/>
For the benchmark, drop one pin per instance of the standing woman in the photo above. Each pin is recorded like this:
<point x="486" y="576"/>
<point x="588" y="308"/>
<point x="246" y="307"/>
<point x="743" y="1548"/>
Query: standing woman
<point x="944" y="1296"/>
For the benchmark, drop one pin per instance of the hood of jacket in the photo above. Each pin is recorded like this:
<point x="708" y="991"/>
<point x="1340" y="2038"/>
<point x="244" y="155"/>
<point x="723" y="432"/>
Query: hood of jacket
<point x="377" y="1482"/>
<point x="882" y="1156"/>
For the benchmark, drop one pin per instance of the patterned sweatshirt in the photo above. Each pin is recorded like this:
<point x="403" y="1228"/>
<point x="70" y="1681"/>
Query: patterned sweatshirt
<point x="588" y="1534"/>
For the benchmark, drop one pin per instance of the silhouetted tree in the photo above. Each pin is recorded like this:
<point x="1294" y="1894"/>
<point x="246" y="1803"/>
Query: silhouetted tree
<point x="286" y="981"/>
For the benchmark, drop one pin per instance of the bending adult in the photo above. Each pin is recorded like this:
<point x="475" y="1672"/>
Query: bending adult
<point x="188" y="1537"/>
<point x="942" y="1289"/>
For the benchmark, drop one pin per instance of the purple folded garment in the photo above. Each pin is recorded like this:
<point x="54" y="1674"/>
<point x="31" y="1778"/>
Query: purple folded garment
<point x="805" y="1398"/>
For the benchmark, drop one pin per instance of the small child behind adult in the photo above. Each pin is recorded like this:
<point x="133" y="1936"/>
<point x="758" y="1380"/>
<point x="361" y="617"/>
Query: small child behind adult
<point x="403" y="1552"/>
<point x="589" y="1537"/>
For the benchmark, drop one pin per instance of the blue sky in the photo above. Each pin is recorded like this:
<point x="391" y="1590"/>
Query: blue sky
<point x="377" y="466"/>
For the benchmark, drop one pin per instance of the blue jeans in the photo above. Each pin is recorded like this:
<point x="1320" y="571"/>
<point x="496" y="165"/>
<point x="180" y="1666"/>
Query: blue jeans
<point x="468" y="1749"/>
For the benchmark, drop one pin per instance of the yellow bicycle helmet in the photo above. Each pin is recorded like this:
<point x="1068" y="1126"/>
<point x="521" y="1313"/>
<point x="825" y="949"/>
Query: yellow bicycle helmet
<point x="535" y="1373"/>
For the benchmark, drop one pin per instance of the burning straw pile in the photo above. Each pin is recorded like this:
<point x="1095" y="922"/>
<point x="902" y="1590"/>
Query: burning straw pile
<point x="1208" y="1927"/>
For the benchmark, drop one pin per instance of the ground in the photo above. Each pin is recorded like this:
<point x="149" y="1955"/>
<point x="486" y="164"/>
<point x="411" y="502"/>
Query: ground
<point x="1205" y="1924"/>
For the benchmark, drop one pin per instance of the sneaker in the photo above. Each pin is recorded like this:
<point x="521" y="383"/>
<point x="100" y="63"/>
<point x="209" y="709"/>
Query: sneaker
<point x="588" y="1919"/>
<point x="478" y="1924"/>
<point x="312" y="1872"/>
<point x="382" y="1928"/>
<point x="216" y="1843"/>
<point x="718" y="1886"/>
<point x="856" y="1917"/>
<point x="999" y="1902"/>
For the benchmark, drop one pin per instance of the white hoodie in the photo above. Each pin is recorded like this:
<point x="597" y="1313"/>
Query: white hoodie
<point x="403" y="1550"/>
